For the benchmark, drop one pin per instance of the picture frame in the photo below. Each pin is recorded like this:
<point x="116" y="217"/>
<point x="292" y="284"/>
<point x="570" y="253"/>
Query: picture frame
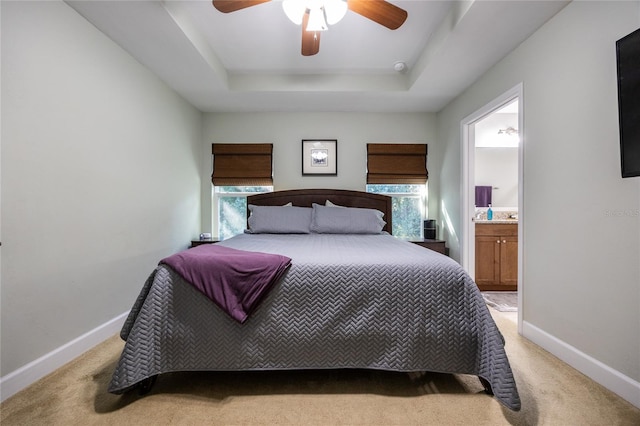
<point x="319" y="157"/>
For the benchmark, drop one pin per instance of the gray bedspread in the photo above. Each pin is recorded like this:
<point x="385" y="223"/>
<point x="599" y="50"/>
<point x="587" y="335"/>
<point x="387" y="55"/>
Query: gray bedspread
<point x="348" y="301"/>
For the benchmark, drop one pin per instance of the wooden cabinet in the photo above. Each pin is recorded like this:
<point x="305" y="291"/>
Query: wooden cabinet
<point x="497" y="256"/>
<point x="435" y="245"/>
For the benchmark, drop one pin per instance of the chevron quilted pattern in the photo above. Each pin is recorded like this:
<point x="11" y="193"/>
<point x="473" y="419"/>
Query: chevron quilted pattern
<point x="372" y="302"/>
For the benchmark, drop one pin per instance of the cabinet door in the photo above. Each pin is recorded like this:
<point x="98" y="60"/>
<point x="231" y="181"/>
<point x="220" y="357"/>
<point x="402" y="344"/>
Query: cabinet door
<point x="487" y="260"/>
<point x="509" y="261"/>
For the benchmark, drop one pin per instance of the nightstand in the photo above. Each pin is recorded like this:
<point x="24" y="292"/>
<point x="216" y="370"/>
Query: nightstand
<point x="195" y="243"/>
<point x="435" y="245"/>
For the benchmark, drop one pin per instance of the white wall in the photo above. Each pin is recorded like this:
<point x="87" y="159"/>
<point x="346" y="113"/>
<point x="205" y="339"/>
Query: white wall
<point x="352" y="130"/>
<point x="100" y="178"/>
<point x="581" y="219"/>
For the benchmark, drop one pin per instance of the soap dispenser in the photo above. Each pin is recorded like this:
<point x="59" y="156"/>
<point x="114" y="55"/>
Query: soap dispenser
<point x="489" y="213"/>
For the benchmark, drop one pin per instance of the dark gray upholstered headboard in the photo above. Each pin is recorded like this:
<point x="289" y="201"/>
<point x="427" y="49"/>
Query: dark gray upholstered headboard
<point x="341" y="197"/>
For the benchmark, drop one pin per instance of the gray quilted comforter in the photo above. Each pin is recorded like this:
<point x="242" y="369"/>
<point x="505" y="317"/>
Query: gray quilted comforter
<point x="348" y="301"/>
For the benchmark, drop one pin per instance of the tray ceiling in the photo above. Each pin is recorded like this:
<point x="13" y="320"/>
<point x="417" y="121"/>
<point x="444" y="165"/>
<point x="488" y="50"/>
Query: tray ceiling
<point x="250" y="60"/>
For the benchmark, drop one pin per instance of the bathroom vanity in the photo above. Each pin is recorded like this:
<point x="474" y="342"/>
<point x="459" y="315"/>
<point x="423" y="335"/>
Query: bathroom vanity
<point x="497" y="255"/>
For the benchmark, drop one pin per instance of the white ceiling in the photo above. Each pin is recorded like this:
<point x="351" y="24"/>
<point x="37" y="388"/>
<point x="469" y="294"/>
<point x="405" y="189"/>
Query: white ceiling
<point x="250" y="60"/>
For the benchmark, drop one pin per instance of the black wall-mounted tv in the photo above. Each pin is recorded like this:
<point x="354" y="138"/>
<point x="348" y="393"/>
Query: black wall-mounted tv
<point x="628" y="62"/>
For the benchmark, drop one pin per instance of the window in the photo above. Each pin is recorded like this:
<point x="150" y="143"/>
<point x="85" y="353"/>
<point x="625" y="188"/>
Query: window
<point x="408" y="204"/>
<point x="400" y="171"/>
<point x="238" y="170"/>
<point x="230" y="207"/>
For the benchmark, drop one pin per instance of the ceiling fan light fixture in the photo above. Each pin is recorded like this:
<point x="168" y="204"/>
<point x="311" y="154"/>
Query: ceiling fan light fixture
<point x="335" y="10"/>
<point x="295" y="10"/>
<point x="322" y="12"/>
<point x="316" y="20"/>
<point x="316" y="15"/>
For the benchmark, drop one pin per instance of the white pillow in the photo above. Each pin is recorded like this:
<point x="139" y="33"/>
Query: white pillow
<point x="346" y="220"/>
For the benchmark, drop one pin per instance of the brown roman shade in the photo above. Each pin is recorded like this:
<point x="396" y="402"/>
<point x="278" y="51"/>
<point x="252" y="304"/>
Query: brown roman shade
<point x="242" y="164"/>
<point x="397" y="163"/>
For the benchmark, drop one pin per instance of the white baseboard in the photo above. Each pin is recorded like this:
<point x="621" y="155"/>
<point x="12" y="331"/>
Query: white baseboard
<point x="616" y="382"/>
<point x="28" y="374"/>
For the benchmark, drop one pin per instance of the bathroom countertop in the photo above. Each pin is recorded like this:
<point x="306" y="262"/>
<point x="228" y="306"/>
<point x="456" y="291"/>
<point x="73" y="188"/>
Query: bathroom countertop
<point x="499" y="216"/>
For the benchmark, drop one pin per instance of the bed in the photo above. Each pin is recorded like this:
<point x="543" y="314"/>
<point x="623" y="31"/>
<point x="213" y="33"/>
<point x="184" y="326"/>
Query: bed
<point x="349" y="298"/>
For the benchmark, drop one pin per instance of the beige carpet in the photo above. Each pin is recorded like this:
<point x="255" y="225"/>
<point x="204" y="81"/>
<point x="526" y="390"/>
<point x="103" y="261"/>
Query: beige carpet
<point x="552" y="394"/>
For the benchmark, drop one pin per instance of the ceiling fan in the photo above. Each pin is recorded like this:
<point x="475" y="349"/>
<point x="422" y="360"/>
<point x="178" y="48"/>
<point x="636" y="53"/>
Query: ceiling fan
<point x="314" y="15"/>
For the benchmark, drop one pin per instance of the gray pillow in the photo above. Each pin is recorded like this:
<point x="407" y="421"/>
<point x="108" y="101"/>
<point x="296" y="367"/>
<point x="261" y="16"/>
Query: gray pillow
<point x="279" y="220"/>
<point x="346" y="220"/>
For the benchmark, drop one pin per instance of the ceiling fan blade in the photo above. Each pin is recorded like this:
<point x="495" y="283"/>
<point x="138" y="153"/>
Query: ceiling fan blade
<point x="226" y="6"/>
<point x="380" y="11"/>
<point x="310" y="39"/>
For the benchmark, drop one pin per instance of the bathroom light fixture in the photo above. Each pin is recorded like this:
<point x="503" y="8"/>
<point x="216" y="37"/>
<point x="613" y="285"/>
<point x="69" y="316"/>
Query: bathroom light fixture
<point x="321" y="12"/>
<point x="508" y="131"/>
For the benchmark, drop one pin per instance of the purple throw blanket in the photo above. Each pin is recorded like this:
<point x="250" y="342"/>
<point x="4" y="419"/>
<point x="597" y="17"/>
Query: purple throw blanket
<point x="236" y="280"/>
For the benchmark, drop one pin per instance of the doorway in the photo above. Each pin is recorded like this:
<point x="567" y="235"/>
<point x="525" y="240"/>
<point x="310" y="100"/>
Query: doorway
<point x="493" y="150"/>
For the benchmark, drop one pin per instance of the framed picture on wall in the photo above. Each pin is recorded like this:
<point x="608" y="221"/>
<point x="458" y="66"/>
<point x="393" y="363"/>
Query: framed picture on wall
<point x="320" y="157"/>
